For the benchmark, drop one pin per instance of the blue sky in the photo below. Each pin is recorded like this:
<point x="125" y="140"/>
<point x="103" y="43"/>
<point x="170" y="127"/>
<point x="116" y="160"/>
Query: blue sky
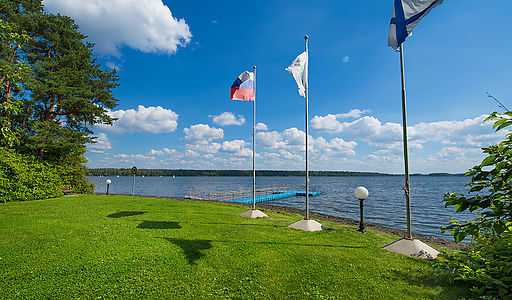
<point x="177" y="61"/>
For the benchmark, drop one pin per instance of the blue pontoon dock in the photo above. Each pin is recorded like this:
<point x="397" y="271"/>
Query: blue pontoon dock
<point x="276" y="196"/>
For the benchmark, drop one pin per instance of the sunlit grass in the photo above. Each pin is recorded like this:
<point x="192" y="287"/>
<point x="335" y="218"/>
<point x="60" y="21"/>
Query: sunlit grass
<point x="129" y="247"/>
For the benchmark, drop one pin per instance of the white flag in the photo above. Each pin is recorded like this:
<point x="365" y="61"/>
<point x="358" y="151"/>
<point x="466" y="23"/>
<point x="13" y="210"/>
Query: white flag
<point x="299" y="71"/>
<point x="406" y="15"/>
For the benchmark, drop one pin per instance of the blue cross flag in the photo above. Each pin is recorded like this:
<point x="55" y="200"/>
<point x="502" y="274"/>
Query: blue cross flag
<point x="406" y="15"/>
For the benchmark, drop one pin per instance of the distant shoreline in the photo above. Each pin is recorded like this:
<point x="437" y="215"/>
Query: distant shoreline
<point x="238" y="173"/>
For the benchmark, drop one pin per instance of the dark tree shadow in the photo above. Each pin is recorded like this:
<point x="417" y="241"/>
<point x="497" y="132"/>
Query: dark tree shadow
<point x="286" y="243"/>
<point x="125" y="214"/>
<point x="159" y="225"/>
<point x="191" y="248"/>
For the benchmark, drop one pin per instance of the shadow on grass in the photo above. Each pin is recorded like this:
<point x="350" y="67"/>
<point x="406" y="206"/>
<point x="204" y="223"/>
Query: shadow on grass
<point x="125" y="214"/>
<point x="288" y="244"/>
<point x="432" y="277"/>
<point x="237" y="224"/>
<point x="191" y="248"/>
<point x="159" y="225"/>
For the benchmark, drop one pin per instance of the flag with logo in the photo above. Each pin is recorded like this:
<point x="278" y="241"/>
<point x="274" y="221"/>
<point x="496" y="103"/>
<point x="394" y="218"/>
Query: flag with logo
<point x="299" y="71"/>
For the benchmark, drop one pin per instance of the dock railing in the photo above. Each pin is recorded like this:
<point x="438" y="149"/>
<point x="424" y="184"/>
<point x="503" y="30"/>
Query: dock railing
<point x="195" y="193"/>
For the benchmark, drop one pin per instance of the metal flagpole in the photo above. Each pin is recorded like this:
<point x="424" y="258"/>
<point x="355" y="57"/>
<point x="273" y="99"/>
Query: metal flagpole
<point x="305" y="224"/>
<point x="253" y="212"/>
<point x="406" y="156"/>
<point x="307" y="129"/>
<point x="253" y="143"/>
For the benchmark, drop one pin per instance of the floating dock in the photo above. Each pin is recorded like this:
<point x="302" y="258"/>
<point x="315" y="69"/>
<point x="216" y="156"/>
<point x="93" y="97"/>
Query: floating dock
<point x="277" y="195"/>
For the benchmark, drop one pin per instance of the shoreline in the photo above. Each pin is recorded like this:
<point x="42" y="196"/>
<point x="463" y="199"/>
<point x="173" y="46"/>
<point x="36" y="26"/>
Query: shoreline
<point x="324" y="217"/>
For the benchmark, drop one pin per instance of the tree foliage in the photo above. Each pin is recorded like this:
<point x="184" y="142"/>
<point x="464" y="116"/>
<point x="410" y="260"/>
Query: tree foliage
<point x="52" y="89"/>
<point x="487" y="262"/>
<point x="13" y="71"/>
<point x="26" y="177"/>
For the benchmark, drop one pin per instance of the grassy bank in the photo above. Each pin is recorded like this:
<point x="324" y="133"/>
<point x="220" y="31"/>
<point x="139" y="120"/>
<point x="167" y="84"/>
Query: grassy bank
<point x="129" y="247"/>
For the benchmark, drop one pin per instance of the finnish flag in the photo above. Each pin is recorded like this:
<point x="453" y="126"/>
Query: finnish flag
<point x="406" y="15"/>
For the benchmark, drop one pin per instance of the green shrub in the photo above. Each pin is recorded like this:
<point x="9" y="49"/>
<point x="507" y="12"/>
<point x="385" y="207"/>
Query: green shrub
<point x="24" y="177"/>
<point x="72" y="173"/>
<point x="487" y="263"/>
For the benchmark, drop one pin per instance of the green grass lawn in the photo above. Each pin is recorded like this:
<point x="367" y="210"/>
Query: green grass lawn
<point x="131" y="247"/>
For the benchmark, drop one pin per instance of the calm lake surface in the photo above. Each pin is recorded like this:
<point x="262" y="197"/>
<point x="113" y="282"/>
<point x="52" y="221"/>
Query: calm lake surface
<point x="384" y="206"/>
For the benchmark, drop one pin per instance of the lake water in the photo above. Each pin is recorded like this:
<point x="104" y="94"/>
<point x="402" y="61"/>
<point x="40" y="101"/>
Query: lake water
<point x="385" y="205"/>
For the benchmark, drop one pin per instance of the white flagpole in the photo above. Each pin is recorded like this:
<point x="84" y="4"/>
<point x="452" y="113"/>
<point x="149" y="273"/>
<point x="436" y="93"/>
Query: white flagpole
<point x="306" y="224"/>
<point x="307" y="130"/>
<point x="253" y="212"/>
<point x="254" y="143"/>
<point x="406" y="155"/>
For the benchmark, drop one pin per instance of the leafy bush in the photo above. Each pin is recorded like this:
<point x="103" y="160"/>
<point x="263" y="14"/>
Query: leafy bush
<point x="72" y="173"/>
<point x="487" y="262"/>
<point x="486" y="265"/>
<point x="24" y="177"/>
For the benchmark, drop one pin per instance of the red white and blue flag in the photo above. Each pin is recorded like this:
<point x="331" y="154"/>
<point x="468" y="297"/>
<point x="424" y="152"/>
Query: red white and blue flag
<point x="243" y="87"/>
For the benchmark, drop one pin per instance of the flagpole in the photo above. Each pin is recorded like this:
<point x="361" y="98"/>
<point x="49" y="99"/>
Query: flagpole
<point x="306" y="223"/>
<point x="406" y="155"/>
<point x="307" y="130"/>
<point x="253" y="143"/>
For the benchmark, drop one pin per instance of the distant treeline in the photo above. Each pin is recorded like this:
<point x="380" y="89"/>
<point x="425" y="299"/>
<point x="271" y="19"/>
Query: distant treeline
<point x="180" y="172"/>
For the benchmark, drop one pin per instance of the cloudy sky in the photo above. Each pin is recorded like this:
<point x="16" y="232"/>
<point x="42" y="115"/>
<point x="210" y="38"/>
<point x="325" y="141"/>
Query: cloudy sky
<point x="177" y="61"/>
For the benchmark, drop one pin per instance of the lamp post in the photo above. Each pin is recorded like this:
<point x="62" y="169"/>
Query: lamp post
<point x="361" y="193"/>
<point x="108" y="182"/>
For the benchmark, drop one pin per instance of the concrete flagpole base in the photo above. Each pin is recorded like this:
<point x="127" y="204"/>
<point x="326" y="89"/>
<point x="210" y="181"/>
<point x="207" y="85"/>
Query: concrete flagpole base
<point x="412" y="247"/>
<point x="254" y="213"/>
<point x="306" y="225"/>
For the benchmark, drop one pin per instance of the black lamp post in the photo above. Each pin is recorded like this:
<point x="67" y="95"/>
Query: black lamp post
<point x="108" y="182"/>
<point x="361" y="193"/>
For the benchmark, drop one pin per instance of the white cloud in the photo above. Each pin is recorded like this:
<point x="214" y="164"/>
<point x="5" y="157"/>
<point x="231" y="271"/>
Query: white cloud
<point x="294" y="137"/>
<point x="261" y="127"/>
<point x="469" y="132"/>
<point x="202" y="134"/>
<point x="228" y="118"/>
<point x="144" y="25"/>
<point x="191" y="153"/>
<point x="205" y="148"/>
<point x="165" y="151"/>
<point x="283" y="154"/>
<point x="151" y="119"/>
<point x="270" y="139"/>
<point x="370" y="129"/>
<point x="236" y="147"/>
<point x="292" y="141"/>
<point x="330" y="122"/>
<point x="101" y="146"/>
<point x="334" y="147"/>
<point x="354" y="113"/>
<point x="130" y="157"/>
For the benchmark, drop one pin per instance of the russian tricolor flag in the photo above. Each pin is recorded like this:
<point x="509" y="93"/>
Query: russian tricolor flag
<point x="243" y="87"/>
